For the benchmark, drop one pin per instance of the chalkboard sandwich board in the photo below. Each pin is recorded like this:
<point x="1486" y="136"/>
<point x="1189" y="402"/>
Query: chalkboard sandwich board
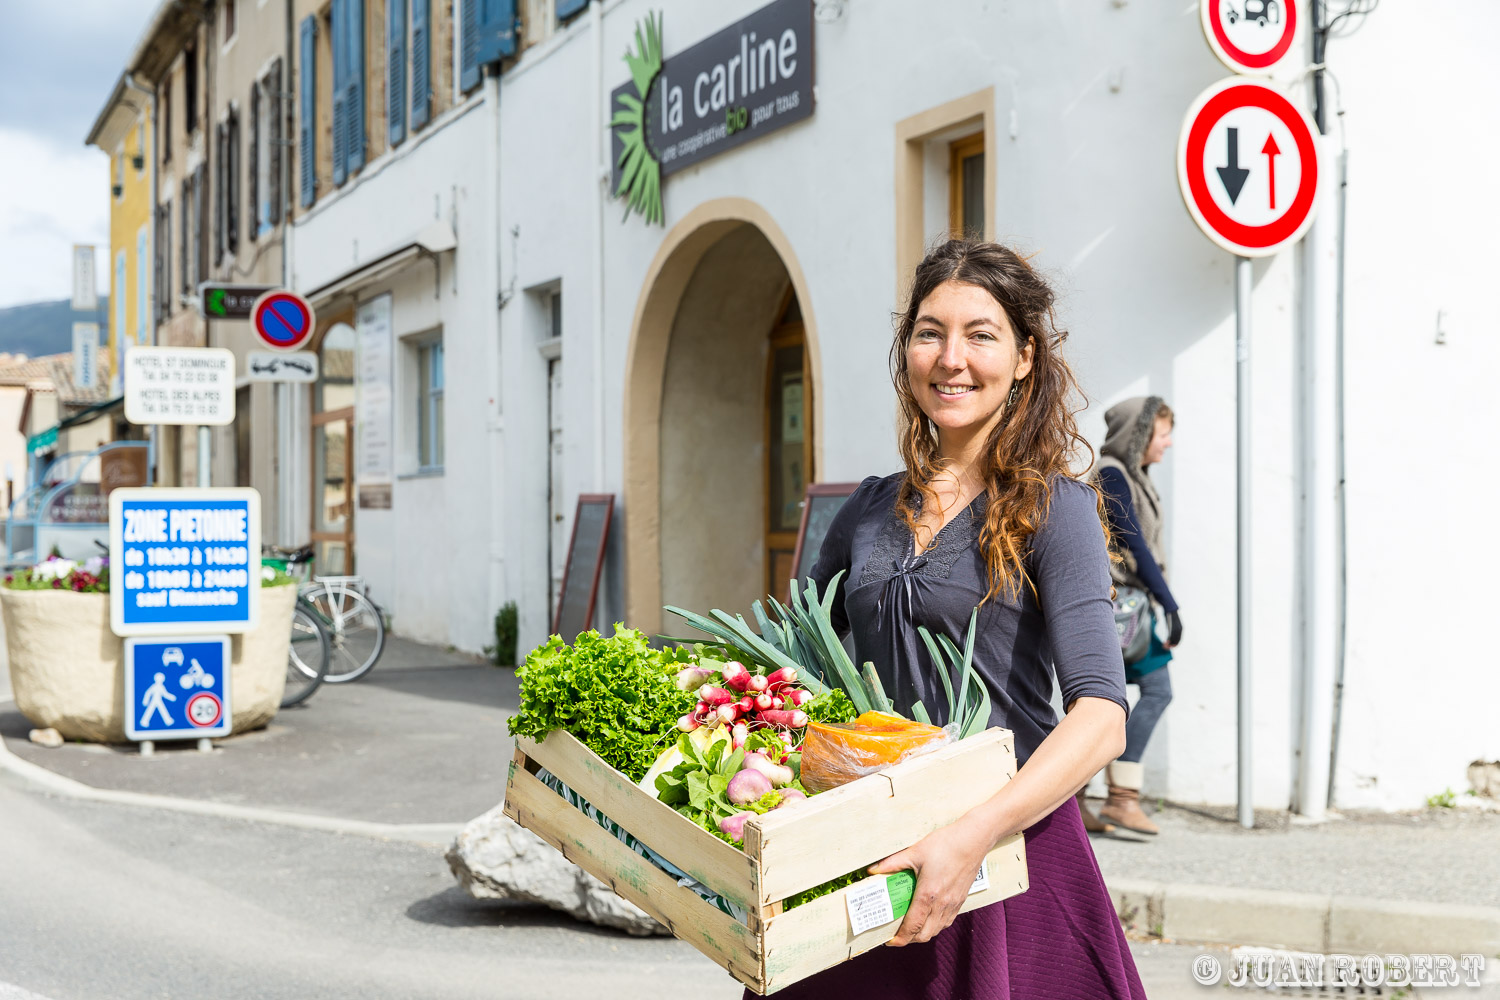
<point x="580" y="582"/>
<point x="824" y="500"/>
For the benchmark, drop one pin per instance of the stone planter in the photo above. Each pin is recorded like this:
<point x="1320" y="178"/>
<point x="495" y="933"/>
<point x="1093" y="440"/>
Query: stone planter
<point x="67" y="669"/>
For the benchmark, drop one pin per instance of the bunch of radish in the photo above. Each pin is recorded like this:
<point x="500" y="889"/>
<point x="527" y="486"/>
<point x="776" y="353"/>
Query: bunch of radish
<point x="745" y="702"/>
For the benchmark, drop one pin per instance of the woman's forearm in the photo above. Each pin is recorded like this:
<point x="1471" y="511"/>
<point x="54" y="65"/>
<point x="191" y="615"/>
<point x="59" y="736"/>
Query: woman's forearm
<point x="1089" y="736"/>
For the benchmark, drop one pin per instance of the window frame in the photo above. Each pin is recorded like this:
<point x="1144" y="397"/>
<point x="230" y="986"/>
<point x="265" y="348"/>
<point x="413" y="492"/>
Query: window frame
<point x="430" y="405"/>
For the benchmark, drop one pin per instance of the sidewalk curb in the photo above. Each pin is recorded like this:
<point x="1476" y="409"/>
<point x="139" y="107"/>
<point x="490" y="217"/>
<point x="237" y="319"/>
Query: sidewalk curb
<point x="428" y="834"/>
<point x="1317" y="923"/>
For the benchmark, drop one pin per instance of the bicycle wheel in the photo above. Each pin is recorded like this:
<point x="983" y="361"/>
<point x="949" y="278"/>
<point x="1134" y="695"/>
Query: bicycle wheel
<point x="356" y="632"/>
<point x="306" y="657"/>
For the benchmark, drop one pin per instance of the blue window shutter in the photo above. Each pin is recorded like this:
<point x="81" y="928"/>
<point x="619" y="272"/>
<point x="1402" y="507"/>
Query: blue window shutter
<point x="354" y="102"/>
<point x="468" y="77"/>
<point x="395" y="69"/>
<point x="337" y="37"/>
<point x="567" y="8"/>
<point x="307" y="162"/>
<point x="421" y="62"/>
<point x="497" y="31"/>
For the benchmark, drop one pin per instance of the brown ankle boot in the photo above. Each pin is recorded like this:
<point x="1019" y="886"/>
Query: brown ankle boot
<point x="1123" y="807"/>
<point x="1091" y="823"/>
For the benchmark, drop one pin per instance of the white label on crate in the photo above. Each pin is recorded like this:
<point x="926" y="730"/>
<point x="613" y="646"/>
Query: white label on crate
<point x="982" y="880"/>
<point x="869" y="905"/>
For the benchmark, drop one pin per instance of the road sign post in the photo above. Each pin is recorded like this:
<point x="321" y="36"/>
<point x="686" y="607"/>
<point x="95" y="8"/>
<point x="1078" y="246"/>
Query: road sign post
<point x="184" y="561"/>
<point x="1248" y="167"/>
<point x="283" y="321"/>
<point x="177" y="688"/>
<point x="1251" y="36"/>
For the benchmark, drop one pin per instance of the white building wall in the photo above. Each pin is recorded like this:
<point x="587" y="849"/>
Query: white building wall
<point x="427" y="559"/>
<point x="1088" y="103"/>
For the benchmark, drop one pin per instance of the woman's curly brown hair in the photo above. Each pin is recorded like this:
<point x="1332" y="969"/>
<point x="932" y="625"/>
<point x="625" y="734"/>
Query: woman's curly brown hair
<point x="1030" y="447"/>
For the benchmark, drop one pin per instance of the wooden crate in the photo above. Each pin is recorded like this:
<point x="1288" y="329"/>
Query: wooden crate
<point x="785" y="851"/>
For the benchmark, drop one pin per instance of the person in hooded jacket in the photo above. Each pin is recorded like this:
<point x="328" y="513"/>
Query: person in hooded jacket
<point x="1140" y="432"/>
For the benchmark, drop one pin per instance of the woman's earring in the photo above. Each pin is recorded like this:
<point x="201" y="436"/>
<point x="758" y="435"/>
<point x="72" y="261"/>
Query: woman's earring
<point x="1015" y="393"/>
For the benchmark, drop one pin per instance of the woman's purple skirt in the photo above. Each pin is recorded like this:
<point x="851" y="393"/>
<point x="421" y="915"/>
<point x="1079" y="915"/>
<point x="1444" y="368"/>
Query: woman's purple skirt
<point x="1058" y="940"/>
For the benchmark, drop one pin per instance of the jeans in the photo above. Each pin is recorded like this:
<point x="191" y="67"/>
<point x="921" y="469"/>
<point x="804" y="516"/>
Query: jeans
<point x="1156" y="695"/>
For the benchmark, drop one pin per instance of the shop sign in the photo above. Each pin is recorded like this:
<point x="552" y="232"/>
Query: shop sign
<point x="41" y="443"/>
<point x="744" y="82"/>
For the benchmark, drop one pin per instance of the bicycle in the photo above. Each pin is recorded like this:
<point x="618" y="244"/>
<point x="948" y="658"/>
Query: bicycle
<point x="309" y="653"/>
<point x="356" y="628"/>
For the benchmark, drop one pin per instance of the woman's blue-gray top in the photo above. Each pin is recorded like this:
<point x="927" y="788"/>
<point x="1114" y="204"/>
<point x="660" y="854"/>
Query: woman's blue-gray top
<point x="1065" y="627"/>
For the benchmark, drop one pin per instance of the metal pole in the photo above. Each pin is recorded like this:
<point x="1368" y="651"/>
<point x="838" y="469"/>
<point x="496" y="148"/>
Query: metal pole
<point x="1242" y="282"/>
<point x="205" y="454"/>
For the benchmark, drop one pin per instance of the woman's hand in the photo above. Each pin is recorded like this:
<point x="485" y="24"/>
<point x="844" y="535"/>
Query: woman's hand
<point x="946" y="862"/>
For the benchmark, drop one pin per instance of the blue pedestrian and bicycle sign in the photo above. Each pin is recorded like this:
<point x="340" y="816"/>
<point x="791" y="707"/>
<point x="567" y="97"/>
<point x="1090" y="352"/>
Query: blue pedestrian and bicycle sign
<point x="282" y="320"/>
<point x="177" y="687"/>
<point x="184" y="561"/>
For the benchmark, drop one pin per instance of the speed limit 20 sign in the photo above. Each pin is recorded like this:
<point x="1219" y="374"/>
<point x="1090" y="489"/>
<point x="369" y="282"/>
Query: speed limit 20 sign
<point x="1247" y="164"/>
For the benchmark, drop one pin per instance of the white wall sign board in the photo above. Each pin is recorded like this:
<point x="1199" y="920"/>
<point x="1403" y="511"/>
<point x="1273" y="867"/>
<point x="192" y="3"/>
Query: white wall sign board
<point x="1250" y="36"/>
<point x="179" y="385"/>
<point x="376" y="459"/>
<point x="85" y="355"/>
<point x="276" y="366"/>
<point x="177" y="688"/>
<point x="85" y="291"/>
<point x="1247" y="165"/>
<point x="184" y="561"/>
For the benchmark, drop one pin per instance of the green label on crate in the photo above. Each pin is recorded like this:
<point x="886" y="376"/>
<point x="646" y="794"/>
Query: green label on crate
<point x="900" y="886"/>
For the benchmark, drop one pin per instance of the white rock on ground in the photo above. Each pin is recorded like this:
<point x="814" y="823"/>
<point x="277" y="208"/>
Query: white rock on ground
<point x="494" y="858"/>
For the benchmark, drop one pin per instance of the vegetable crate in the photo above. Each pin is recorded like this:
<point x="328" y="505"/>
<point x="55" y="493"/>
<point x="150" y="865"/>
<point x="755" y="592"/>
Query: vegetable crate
<point x="786" y="851"/>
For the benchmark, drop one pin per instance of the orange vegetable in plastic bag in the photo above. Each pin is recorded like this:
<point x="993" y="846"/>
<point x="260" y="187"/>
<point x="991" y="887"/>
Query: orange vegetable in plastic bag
<point x="835" y="754"/>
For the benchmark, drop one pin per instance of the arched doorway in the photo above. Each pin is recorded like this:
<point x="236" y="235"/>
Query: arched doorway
<point x="721" y="435"/>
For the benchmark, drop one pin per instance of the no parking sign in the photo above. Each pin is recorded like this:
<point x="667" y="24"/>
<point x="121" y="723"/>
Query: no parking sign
<point x="282" y="320"/>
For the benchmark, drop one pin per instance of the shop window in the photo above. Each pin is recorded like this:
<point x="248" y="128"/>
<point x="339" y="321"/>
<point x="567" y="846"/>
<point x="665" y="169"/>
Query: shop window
<point x="966" y="186"/>
<point x="430" y="406"/>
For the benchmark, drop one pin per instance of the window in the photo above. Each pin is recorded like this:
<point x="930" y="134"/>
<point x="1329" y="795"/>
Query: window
<point x="253" y="176"/>
<point x="166" y="121"/>
<point x="117" y="294"/>
<point x="190" y="90"/>
<point x="228" y="21"/>
<point x="117" y="188"/>
<point x="232" y="169"/>
<point x="966" y="186"/>
<point x="430" y="406"/>
<point x="161" y="271"/>
<point x="142" y="279"/>
<point x="242" y="437"/>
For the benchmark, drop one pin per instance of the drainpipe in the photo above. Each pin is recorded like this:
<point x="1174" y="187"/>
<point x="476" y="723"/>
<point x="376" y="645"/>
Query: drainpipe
<point x="287" y="393"/>
<point x="495" y="422"/>
<point x="596" y="127"/>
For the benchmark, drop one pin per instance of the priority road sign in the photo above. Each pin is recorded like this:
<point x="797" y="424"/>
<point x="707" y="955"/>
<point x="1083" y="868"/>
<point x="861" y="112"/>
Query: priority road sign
<point x="1247" y="165"/>
<point x="1250" y="36"/>
<point x="177" y="687"/>
<point x="184" y="561"/>
<point x="220" y="301"/>
<point x="283" y="320"/>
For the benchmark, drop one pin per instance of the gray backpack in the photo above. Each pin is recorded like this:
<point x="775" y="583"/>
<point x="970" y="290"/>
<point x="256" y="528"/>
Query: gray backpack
<point x="1133" y="622"/>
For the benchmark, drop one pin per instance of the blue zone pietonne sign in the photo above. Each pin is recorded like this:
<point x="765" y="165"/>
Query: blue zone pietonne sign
<point x="184" y="561"/>
<point x="177" y="688"/>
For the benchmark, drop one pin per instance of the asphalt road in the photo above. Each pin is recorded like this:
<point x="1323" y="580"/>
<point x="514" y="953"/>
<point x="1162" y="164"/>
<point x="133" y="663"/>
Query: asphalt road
<point x="105" y="900"/>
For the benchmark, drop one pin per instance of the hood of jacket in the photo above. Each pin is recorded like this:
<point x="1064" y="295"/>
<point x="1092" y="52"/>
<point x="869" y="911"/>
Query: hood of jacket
<point x="1130" y="426"/>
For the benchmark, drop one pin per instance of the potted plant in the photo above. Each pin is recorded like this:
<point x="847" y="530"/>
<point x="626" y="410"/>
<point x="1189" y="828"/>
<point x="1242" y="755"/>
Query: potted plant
<point x="67" y="668"/>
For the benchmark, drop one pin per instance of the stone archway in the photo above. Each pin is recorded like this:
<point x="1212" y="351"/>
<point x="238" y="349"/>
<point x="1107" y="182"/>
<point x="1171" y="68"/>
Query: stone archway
<point x="708" y="300"/>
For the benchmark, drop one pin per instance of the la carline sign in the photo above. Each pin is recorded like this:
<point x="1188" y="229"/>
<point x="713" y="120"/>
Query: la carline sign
<point x="737" y="85"/>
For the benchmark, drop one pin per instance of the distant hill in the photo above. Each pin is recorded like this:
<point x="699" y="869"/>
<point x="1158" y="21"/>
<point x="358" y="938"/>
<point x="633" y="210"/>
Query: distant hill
<point x="39" y="328"/>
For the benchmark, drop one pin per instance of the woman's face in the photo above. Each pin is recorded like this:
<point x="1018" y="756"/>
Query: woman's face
<point x="1161" y="440"/>
<point x="962" y="357"/>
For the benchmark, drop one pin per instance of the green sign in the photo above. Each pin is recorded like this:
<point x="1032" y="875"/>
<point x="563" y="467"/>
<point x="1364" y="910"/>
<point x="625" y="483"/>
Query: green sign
<point x="45" y="441"/>
<point x="217" y="301"/>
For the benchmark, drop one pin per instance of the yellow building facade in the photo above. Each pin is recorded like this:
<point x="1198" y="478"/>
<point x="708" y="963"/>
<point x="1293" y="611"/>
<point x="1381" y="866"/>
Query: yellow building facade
<point x="123" y="132"/>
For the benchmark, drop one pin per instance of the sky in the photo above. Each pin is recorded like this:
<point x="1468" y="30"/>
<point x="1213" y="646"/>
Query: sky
<point x="58" y="64"/>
